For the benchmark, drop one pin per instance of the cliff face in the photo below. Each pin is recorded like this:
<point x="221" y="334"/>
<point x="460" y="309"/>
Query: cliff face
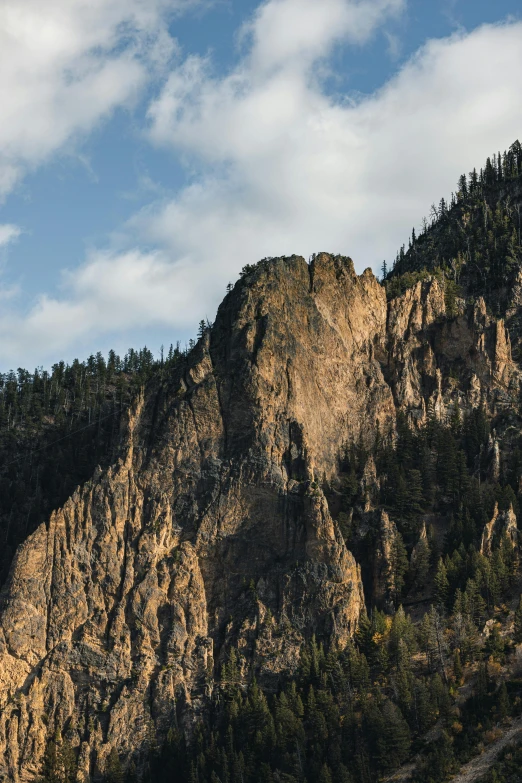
<point x="211" y="532"/>
<point x="434" y="360"/>
<point x="211" y="523"/>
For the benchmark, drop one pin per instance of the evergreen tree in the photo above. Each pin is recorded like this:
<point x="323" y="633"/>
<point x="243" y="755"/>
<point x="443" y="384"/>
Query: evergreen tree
<point x="113" y="768"/>
<point x="503" y="704"/>
<point x="50" y="772"/>
<point x="517" y="629"/>
<point x="398" y="567"/>
<point x="59" y="761"/>
<point x="420" y="562"/>
<point x="441" y="584"/>
<point x="415" y="493"/>
<point x="457" y="667"/>
<point x="394" y="742"/>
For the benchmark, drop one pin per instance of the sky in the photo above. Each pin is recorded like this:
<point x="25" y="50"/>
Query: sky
<point x="149" y="149"/>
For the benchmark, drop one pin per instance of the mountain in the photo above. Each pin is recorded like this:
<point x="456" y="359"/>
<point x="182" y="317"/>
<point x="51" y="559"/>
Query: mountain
<point x="220" y="599"/>
<point x="473" y="241"/>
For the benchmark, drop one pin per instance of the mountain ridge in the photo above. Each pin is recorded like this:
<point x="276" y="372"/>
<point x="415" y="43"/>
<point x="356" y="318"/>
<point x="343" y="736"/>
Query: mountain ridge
<point x="176" y="465"/>
<point x="329" y="446"/>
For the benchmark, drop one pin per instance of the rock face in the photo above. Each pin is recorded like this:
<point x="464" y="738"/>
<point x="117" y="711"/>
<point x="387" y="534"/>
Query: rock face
<point x="117" y="611"/>
<point x="383" y="562"/>
<point x="420" y="556"/>
<point x="211" y="531"/>
<point x="503" y="523"/>
<point x="434" y="361"/>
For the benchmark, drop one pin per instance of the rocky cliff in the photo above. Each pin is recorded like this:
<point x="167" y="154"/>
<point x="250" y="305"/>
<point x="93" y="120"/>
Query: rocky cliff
<point x="435" y="360"/>
<point x="118" y="609"/>
<point x="211" y="532"/>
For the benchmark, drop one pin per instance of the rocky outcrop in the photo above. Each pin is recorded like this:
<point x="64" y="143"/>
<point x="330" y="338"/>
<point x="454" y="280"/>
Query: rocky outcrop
<point x="486" y="542"/>
<point x="434" y="361"/>
<point x="370" y="485"/>
<point x="386" y="539"/>
<point x="420" y="554"/>
<point x="494" y="455"/>
<point x="104" y="628"/>
<point x="211" y="531"/>
<point x="502" y="523"/>
<point x="411" y="359"/>
<point x="118" y="610"/>
<point x="510" y="527"/>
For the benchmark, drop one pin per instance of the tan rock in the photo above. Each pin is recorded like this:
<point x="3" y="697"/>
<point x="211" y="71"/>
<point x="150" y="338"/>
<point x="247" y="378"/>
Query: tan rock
<point x="420" y="545"/>
<point x="211" y="530"/>
<point x="115" y="611"/>
<point x="502" y="362"/>
<point x="509" y="527"/>
<point x="501" y="523"/>
<point x="383" y="573"/>
<point x="486" y="542"/>
<point x="429" y="355"/>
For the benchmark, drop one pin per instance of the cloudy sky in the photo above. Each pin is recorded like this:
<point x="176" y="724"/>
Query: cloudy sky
<point x="151" y="148"/>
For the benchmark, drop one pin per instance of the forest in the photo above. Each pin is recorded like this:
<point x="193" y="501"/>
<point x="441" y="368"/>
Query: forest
<point x="474" y="239"/>
<point x="56" y="426"/>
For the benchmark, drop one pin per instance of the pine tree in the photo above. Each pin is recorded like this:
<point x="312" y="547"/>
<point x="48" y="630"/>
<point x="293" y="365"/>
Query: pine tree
<point x="59" y="761"/>
<point x="395" y="740"/>
<point x="398" y="567"/>
<point x="456" y="420"/>
<point x="68" y="762"/>
<point x="403" y="679"/>
<point x="113" y="768"/>
<point x="325" y="775"/>
<point x="475" y="604"/>
<point x="415" y="494"/>
<point x="517" y="629"/>
<point x="421" y="710"/>
<point x="440" y="696"/>
<point x="457" y="667"/>
<point x="463" y="187"/>
<point x="50" y="772"/>
<point x="434" y="641"/>
<point x="503" y="703"/>
<point x="420" y="562"/>
<point x="402" y="631"/>
<point x="441" y="584"/>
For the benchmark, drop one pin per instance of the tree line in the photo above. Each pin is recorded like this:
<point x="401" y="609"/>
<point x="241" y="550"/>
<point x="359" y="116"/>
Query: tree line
<point x="56" y="426"/>
<point x="474" y="240"/>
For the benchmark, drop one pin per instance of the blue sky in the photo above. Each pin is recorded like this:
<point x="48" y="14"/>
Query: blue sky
<point x="149" y="149"/>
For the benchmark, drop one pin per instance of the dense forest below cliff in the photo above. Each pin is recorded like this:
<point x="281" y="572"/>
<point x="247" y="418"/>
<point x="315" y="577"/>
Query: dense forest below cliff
<point x="430" y="511"/>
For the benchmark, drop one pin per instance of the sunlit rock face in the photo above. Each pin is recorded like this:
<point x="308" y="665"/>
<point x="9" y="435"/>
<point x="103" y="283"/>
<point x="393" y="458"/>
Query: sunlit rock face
<point x="211" y="531"/>
<point x="118" y="609"/>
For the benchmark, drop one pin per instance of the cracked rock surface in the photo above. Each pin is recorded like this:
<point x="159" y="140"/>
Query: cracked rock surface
<point x="119" y="609"/>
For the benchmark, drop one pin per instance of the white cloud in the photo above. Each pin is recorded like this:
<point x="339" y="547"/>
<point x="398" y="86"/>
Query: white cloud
<point x="66" y="64"/>
<point x="8" y="233"/>
<point x="285" y="168"/>
<point x="110" y="293"/>
<point x="281" y="167"/>
<point x="273" y="88"/>
<point x="298" y="32"/>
